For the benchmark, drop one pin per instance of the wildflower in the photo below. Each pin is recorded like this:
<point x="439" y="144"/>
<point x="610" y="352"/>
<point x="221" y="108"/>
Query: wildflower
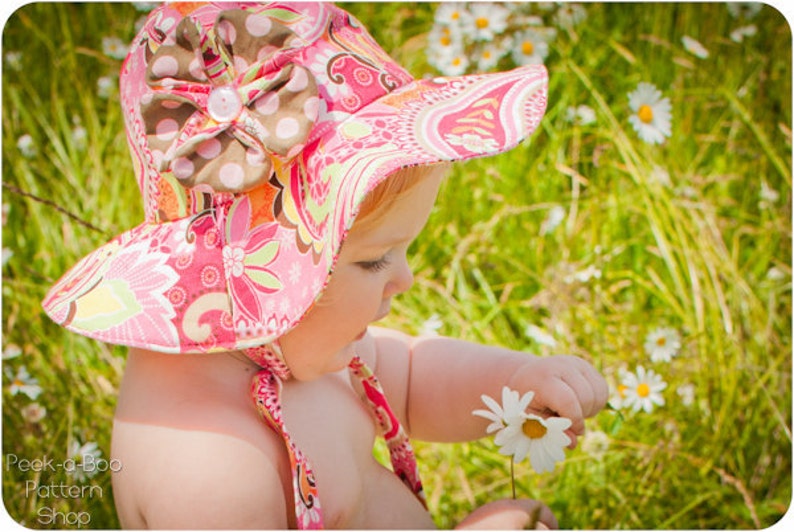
<point x="767" y="196"/>
<point x="488" y="20"/>
<point x="431" y="326"/>
<point x="581" y="114"/>
<point x="79" y="135"/>
<point x="540" y="336"/>
<point x="114" y="47"/>
<point x="662" y="344"/>
<point x="596" y="444"/>
<point x="661" y="176"/>
<point x="643" y="390"/>
<point x="530" y="48"/>
<point x="105" y="86"/>
<point x="687" y="394"/>
<point x="651" y="118"/>
<point x="13" y="60"/>
<point x="6" y="256"/>
<point x="452" y="14"/>
<point x="553" y="219"/>
<point x="33" y="413"/>
<point x="746" y="10"/>
<point x="739" y="34"/>
<point x="570" y="14"/>
<point x="583" y="276"/>
<point x="145" y="6"/>
<point x="490" y="54"/>
<point x="694" y="47"/>
<point x="11" y="351"/>
<point x="519" y="434"/>
<point x="85" y="458"/>
<point x="27" y="146"/>
<point x="22" y="382"/>
<point x="775" y="274"/>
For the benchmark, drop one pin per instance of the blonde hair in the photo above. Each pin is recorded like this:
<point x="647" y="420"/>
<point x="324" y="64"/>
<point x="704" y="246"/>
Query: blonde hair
<point x="377" y="202"/>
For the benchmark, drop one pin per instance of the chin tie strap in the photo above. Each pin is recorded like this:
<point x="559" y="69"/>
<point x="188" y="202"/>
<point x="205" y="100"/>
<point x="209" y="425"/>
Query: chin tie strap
<point x="266" y="393"/>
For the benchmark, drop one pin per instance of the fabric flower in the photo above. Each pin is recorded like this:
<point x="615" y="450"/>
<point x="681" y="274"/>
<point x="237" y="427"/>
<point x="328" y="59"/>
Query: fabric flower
<point x="519" y="433"/>
<point x="652" y="113"/>
<point x="662" y="344"/>
<point x="22" y="382"/>
<point x="214" y="105"/>
<point x="643" y="390"/>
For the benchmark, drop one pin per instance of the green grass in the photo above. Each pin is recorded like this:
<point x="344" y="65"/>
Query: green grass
<point x="694" y="254"/>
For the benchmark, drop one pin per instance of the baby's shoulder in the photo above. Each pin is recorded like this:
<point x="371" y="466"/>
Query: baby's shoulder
<point x="166" y="472"/>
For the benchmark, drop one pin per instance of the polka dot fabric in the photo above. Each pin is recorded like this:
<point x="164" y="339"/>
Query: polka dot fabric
<point x="256" y="130"/>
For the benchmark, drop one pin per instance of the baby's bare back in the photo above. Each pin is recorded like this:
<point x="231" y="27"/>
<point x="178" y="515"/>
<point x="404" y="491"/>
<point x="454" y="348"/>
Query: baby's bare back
<point x="195" y="453"/>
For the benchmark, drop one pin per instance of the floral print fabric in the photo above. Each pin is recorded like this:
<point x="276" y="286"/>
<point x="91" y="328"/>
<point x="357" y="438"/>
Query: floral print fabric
<point x="256" y="130"/>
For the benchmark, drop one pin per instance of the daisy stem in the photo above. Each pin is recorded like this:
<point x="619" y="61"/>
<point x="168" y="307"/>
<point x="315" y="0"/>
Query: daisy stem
<point x="513" y="476"/>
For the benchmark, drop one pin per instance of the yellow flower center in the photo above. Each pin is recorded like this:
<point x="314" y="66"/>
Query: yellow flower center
<point x="455" y="16"/>
<point x="622" y="390"/>
<point x="527" y="47"/>
<point x="456" y="61"/>
<point x="534" y="429"/>
<point x="643" y="390"/>
<point x="481" y="23"/>
<point x="661" y="341"/>
<point x="445" y="40"/>
<point x="645" y="113"/>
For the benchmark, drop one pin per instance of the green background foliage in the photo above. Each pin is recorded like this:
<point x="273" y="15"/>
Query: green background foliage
<point x="699" y="251"/>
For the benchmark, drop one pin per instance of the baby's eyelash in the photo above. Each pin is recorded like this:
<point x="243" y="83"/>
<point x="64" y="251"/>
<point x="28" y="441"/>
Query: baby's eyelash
<point x="374" y="265"/>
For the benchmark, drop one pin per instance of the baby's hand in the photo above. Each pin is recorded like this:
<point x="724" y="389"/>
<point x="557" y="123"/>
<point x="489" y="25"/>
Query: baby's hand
<point x="510" y="514"/>
<point x="564" y="386"/>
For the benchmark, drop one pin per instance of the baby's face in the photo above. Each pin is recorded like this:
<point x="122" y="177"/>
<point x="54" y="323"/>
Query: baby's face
<point x="372" y="268"/>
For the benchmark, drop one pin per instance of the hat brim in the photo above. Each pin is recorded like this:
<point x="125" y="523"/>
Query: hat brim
<point x="222" y="280"/>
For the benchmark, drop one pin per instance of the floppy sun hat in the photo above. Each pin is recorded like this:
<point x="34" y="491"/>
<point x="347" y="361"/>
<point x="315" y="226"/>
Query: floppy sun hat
<point x="256" y="131"/>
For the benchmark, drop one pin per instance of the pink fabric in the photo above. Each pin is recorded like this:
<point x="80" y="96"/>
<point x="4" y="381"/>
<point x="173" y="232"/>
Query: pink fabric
<point x="266" y="393"/>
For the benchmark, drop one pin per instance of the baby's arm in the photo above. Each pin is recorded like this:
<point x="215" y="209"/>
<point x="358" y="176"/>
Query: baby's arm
<point x="438" y="381"/>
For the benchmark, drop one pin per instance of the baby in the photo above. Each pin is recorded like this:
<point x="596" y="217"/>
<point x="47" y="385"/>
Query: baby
<point x="286" y="164"/>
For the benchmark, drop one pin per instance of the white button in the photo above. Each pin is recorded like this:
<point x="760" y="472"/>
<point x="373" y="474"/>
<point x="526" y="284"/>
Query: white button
<point x="224" y="104"/>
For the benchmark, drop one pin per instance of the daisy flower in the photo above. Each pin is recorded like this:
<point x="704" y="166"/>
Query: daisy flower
<point x="33" y="413"/>
<point x="11" y="351"/>
<point x="596" y="444"/>
<point x="581" y="114"/>
<point x="85" y="458"/>
<point x="451" y="13"/>
<point x="540" y="336"/>
<point x="739" y="34"/>
<point x="22" y="382"/>
<point x="662" y="344"/>
<point x="488" y="20"/>
<point x="694" y="47"/>
<point x="643" y="390"/>
<point x="26" y="145"/>
<point x="570" y="14"/>
<point x="553" y="219"/>
<point x="519" y="434"/>
<point x="431" y="326"/>
<point x="530" y="48"/>
<point x="686" y="392"/>
<point x="491" y="53"/>
<point x="652" y="113"/>
<point x="114" y="47"/>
